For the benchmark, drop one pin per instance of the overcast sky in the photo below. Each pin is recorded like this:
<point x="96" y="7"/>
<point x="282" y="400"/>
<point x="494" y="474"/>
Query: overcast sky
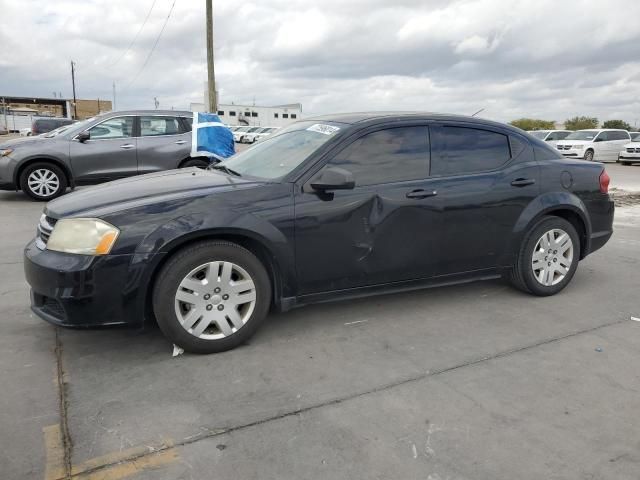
<point x="548" y="59"/>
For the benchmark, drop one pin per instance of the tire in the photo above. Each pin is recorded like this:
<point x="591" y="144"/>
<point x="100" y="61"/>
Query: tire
<point x="43" y="181"/>
<point x="588" y="156"/>
<point x="625" y="163"/>
<point x="206" y="308"/>
<point x="195" y="162"/>
<point x="535" y="281"/>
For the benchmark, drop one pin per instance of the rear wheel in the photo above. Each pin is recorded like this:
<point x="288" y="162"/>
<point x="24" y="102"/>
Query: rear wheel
<point x="211" y="297"/>
<point x="588" y="156"/>
<point x="195" y="162"/>
<point x="43" y="181"/>
<point x="548" y="258"/>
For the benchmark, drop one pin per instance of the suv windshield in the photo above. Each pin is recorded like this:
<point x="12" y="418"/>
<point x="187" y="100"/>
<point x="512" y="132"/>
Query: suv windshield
<point x="279" y="154"/>
<point x="541" y="134"/>
<point x="582" y="135"/>
<point x="635" y="136"/>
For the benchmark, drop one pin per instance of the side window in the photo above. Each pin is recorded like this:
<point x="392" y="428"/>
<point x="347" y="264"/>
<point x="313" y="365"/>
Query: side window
<point x="603" y="137"/>
<point x="618" y="135"/>
<point x="187" y="123"/>
<point x="553" y="136"/>
<point x="385" y="156"/>
<point x="469" y="150"/>
<point x="154" y="126"/>
<point x="119" y="127"/>
<point x="562" y="135"/>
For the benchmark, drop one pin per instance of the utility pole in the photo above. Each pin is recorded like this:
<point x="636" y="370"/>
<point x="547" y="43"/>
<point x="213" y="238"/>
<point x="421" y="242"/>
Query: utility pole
<point x="73" y="83"/>
<point x="114" y="96"/>
<point x="211" y="78"/>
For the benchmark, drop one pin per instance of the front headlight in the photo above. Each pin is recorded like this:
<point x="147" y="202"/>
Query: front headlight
<point x="578" y="147"/>
<point x="5" y="151"/>
<point x="86" y="236"/>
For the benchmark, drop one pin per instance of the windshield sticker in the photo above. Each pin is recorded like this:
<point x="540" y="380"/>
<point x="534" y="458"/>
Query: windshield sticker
<point x="324" y="129"/>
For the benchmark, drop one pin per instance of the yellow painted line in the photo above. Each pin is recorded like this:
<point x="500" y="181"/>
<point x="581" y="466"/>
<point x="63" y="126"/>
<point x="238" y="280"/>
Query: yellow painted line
<point x="118" y="457"/>
<point x="129" y="468"/>
<point x="54" y="466"/>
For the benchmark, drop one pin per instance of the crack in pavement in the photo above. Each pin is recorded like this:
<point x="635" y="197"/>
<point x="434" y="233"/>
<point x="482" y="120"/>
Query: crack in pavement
<point x="63" y="406"/>
<point x="214" y="432"/>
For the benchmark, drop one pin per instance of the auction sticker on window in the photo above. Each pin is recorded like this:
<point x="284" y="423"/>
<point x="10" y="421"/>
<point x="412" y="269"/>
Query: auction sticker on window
<point x="324" y="129"/>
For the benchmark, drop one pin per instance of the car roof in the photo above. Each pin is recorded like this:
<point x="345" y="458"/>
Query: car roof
<point x="178" y="113"/>
<point x="374" y="117"/>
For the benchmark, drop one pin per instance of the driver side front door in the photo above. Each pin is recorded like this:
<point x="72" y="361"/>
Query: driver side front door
<point x="383" y="230"/>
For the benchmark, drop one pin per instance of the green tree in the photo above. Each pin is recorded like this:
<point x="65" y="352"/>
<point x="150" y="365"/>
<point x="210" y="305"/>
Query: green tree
<point x="616" y="124"/>
<point x="581" y="123"/>
<point x="533" y="124"/>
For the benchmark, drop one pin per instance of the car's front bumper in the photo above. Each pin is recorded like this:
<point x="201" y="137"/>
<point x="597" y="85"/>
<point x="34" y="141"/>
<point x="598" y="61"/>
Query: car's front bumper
<point x="84" y="291"/>
<point x="632" y="157"/>
<point x="573" y="153"/>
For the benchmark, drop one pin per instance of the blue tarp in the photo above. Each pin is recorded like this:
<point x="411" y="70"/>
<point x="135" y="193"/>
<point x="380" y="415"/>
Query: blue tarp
<point x="211" y="137"/>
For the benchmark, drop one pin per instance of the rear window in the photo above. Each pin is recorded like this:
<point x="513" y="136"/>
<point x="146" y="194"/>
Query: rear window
<point x="469" y="150"/>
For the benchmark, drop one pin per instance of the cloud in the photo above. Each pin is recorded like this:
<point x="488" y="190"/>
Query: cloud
<point x="514" y="58"/>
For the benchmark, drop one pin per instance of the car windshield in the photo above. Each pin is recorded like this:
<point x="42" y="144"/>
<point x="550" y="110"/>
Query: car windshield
<point x="541" y="134"/>
<point x="582" y="135"/>
<point x="280" y="154"/>
<point x="635" y="137"/>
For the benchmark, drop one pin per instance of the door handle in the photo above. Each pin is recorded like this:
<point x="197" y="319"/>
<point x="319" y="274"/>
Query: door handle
<point x="181" y="142"/>
<point x="523" y="182"/>
<point x="127" y="146"/>
<point x="421" y="193"/>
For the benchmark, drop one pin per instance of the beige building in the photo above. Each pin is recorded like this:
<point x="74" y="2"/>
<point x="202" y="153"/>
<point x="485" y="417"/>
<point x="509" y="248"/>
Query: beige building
<point x="54" y="107"/>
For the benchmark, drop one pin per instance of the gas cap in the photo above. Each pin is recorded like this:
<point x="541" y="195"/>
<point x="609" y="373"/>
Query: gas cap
<point x="566" y="179"/>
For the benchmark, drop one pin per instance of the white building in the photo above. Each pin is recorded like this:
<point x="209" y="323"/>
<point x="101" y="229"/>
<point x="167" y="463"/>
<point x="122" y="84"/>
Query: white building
<point x="276" y="116"/>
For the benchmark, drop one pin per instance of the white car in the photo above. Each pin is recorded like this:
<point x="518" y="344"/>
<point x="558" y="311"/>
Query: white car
<point x="258" y="134"/>
<point x="550" y="136"/>
<point x="25" y="132"/>
<point x="600" y="145"/>
<point x="238" y="132"/>
<point x="631" y="152"/>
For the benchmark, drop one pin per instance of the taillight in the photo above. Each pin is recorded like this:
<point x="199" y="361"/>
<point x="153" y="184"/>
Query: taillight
<point x="604" y="182"/>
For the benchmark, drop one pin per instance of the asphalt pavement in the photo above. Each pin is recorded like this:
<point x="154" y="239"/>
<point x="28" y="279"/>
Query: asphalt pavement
<point x="468" y="382"/>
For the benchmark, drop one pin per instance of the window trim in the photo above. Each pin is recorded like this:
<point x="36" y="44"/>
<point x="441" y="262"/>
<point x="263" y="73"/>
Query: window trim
<point x="436" y="149"/>
<point x="180" y="124"/>
<point x="134" y="130"/>
<point x="308" y="172"/>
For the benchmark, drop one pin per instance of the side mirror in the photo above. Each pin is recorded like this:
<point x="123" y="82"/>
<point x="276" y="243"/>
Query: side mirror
<point x="83" y="137"/>
<point x="333" y="178"/>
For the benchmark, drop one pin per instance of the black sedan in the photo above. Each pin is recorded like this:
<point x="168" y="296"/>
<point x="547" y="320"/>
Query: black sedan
<point x="331" y="207"/>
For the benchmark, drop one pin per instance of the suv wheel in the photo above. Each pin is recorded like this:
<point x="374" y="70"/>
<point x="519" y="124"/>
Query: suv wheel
<point x="588" y="156"/>
<point x="195" y="162"/>
<point x="43" y="181"/>
<point x="211" y="297"/>
<point x="548" y="258"/>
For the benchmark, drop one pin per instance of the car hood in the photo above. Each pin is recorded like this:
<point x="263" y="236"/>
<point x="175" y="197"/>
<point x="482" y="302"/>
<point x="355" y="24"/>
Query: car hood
<point x="632" y="145"/>
<point x="574" y="142"/>
<point x="144" y="190"/>
<point x="25" y="141"/>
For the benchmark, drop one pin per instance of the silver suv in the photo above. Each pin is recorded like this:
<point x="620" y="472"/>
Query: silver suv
<point x="106" y="147"/>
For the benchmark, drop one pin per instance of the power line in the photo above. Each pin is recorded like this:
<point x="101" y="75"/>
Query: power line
<point x="137" y="35"/>
<point x="154" y="45"/>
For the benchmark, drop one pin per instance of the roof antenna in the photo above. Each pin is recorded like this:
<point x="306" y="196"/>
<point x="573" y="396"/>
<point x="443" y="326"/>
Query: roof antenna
<point x="481" y="110"/>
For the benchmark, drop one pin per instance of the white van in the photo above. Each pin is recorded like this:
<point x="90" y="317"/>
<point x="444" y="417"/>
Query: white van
<point x="600" y="145"/>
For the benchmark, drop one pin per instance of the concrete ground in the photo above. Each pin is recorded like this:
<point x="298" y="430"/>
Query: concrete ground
<point x="468" y="382"/>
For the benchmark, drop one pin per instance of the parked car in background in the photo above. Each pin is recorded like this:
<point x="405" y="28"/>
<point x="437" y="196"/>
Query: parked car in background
<point x="252" y="137"/>
<point x="243" y="135"/>
<point x="630" y="153"/>
<point x="600" y="145"/>
<point x="44" y="125"/>
<point x="239" y="132"/>
<point x="550" y="136"/>
<point x="102" y="148"/>
<point x="331" y="207"/>
<point x="25" y="132"/>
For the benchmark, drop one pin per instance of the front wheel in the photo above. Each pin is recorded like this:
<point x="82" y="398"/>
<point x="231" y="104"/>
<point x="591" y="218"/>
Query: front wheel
<point x="588" y="156"/>
<point x="548" y="258"/>
<point x="43" y="181"/>
<point x="211" y="297"/>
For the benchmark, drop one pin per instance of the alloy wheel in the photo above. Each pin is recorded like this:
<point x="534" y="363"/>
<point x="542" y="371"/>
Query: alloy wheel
<point x="215" y="300"/>
<point x="552" y="257"/>
<point x="43" y="182"/>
